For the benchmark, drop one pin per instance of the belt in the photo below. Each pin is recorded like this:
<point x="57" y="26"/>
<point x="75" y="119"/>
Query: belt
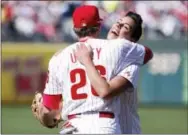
<point x="101" y="115"/>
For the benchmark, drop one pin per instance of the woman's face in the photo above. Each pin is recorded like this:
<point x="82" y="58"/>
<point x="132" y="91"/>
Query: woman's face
<point x="122" y="29"/>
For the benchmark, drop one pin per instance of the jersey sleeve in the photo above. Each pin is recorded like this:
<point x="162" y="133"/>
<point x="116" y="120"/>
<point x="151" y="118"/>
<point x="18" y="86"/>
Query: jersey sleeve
<point x="53" y="86"/>
<point x="139" y="53"/>
<point x="132" y="53"/>
<point x="131" y="73"/>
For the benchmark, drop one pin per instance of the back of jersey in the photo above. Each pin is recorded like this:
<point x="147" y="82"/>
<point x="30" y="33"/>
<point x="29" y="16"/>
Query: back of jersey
<point x="78" y="94"/>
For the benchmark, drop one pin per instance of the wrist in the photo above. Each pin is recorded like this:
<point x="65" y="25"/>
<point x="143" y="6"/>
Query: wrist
<point x="87" y="61"/>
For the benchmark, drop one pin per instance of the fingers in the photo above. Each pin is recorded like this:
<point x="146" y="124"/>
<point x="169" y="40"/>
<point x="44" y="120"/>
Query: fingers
<point x="78" y="48"/>
<point x="75" y="52"/>
<point x="82" y="46"/>
<point x="88" y="47"/>
<point x="83" y="52"/>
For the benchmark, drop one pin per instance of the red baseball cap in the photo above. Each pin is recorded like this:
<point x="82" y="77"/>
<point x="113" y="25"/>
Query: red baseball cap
<point x="86" y="16"/>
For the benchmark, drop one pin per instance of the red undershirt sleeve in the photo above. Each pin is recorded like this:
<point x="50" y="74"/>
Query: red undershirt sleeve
<point x="52" y="101"/>
<point x="148" y="54"/>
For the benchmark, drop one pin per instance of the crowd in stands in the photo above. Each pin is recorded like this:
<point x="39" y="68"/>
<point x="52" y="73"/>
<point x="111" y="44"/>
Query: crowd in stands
<point x="51" y="21"/>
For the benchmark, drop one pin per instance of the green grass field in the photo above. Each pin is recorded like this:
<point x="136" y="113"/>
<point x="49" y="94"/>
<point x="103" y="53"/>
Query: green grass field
<point x="19" y="120"/>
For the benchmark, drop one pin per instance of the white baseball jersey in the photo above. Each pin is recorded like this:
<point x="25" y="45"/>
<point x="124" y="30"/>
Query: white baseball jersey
<point x="68" y="77"/>
<point x="128" y="117"/>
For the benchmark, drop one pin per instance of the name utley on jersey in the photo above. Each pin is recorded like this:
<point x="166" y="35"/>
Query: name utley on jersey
<point x="68" y="77"/>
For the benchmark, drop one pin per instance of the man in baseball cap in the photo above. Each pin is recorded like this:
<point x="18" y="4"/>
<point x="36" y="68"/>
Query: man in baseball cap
<point x="90" y="19"/>
<point x="86" y="21"/>
<point x="86" y="110"/>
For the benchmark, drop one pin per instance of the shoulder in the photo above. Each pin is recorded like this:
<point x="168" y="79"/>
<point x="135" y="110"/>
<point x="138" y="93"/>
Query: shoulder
<point x="64" y="51"/>
<point x="60" y="55"/>
<point x="96" y="40"/>
<point x="104" y="42"/>
<point x="121" y="42"/>
<point x="126" y="44"/>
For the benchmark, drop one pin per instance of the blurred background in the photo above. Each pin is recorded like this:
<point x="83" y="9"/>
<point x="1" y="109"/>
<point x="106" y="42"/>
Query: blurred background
<point x="32" y="31"/>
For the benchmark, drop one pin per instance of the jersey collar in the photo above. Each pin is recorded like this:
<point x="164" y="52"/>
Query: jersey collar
<point x="84" y="39"/>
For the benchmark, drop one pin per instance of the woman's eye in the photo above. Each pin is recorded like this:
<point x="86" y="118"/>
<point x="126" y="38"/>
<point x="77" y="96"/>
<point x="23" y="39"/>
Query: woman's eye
<point x="118" y="23"/>
<point x="127" y="28"/>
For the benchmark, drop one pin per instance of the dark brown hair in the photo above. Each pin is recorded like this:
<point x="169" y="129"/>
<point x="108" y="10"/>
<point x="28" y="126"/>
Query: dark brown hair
<point x="137" y="29"/>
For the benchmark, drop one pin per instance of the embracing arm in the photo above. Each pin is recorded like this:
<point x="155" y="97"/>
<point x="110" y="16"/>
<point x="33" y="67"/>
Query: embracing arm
<point x="103" y="88"/>
<point x="113" y="87"/>
<point x="47" y="107"/>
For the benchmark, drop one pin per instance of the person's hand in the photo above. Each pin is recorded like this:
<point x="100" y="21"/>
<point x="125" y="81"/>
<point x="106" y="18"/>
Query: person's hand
<point x="49" y="119"/>
<point x="84" y="54"/>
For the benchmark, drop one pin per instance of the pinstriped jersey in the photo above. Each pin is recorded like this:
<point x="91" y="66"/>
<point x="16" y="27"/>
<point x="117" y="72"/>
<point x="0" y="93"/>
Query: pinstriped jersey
<point x="67" y="75"/>
<point x="129" y="118"/>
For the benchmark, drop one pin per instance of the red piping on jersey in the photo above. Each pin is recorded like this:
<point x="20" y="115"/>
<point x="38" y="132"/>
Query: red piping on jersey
<point x="52" y="101"/>
<point x="148" y="55"/>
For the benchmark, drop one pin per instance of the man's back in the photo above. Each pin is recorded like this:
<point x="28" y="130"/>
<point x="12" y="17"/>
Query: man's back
<point x="110" y="57"/>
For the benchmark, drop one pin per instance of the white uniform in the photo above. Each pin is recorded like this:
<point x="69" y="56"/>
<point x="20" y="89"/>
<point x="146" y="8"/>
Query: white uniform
<point x="129" y="118"/>
<point x="68" y="77"/>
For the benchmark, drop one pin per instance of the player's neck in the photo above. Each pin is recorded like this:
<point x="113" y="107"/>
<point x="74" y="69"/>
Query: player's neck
<point x="83" y="39"/>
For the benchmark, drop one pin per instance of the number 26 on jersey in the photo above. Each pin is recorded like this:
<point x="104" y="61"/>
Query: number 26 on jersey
<point x="82" y="82"/>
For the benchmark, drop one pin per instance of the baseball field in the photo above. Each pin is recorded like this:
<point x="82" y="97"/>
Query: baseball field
<point x="160" y="120"/>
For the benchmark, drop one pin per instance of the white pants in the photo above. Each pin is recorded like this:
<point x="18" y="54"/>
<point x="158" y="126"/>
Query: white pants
<point x="93" y="124"/>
